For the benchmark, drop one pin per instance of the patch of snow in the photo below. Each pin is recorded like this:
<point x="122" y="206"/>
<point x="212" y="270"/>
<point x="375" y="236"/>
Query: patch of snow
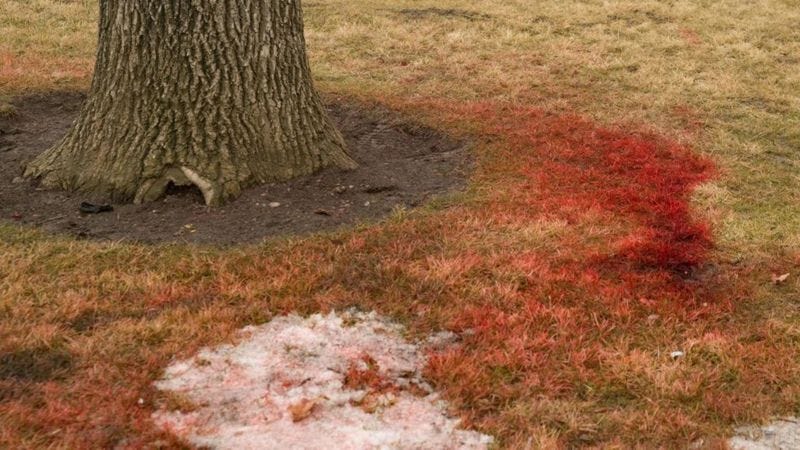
<point x="441" y="340"/>
<point x="782" y="434"/>
<point x="286" y="385"/>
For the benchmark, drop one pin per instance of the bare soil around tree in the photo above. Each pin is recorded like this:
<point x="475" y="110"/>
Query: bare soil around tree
<point x="401" y="165"/>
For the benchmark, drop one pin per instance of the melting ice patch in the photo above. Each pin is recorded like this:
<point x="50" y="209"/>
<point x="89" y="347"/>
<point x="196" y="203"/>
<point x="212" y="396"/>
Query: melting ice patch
<point x="345" y="381"/>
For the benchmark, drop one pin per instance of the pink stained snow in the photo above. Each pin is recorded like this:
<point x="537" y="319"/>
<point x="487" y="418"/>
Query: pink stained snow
<point x="243" y="393"/>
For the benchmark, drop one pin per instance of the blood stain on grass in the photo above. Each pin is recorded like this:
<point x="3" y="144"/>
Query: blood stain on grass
<point x="568" y="168"/>
<point x="627" y="250"/>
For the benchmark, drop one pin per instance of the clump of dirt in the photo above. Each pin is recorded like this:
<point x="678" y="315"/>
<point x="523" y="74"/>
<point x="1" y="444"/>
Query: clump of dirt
<point x="401" y="165"/>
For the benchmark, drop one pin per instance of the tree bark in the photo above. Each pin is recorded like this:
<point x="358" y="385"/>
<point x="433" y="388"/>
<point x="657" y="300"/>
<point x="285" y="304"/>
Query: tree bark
<point x="215" y="93"/>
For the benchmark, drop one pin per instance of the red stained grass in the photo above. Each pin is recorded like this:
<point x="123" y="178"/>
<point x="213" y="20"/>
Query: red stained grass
<point x="585" y="330"/>
<point x="640" y="179"/>
<point x="629" y="251"/>
<point x="574" y="269"/>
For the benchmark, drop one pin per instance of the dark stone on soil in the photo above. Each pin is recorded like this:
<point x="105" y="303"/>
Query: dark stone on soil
<point x="401" y="164"/>
<point x="91" y="208"/>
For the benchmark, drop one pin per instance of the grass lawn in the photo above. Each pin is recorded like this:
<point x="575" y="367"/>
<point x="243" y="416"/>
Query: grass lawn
<point x="636" y="188"/>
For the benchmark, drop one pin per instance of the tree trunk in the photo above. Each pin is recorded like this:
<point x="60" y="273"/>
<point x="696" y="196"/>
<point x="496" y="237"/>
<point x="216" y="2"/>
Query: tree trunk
<point x="215" y="93"/>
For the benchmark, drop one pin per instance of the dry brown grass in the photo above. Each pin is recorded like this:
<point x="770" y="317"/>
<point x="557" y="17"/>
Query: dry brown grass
<point x="567" y="355"/>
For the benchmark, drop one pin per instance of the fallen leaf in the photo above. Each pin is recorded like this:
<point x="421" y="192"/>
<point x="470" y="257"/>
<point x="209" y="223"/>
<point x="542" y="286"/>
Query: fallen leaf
<point x="374" y="401"/>
<point x="417" y="390"/>
<point x="302" y="409"/>
<point x="778" y="279"/>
